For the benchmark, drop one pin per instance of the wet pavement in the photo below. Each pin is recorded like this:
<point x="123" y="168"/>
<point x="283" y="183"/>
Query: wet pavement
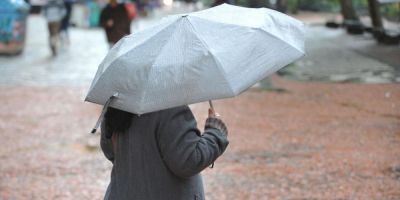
<point x="308" y="140"/>
<point x="335" y="56"/>
<point x="76" y="63"/>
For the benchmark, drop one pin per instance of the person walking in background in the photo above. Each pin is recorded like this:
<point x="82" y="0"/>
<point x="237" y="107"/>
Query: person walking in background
<point x="54" y="11"/>
<point x="159" y="155"/>
<point x="115" y="20"/>
<point x="65" y="22"/>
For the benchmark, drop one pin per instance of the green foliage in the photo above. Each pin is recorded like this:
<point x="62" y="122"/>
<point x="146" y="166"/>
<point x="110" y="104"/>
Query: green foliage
<point x="391" y="11"/>
<point x="252" y="3"/>
<point x="293" y="5"/>
<point x="207" y="3"/>
<point x="319" y="5"/>
<point x="241" y="3"/>
<point x="360" y="3"/>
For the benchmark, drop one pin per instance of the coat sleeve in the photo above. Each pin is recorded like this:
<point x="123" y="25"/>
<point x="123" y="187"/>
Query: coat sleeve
<point x="106" y="144"/>
<point x="185" y="151"/>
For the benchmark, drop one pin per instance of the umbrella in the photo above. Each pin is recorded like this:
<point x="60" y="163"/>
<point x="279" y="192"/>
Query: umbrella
<point x="189" y="58"/>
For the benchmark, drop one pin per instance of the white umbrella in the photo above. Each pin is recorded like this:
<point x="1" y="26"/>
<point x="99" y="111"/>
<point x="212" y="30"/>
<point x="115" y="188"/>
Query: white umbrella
<point x="211" y="54"/>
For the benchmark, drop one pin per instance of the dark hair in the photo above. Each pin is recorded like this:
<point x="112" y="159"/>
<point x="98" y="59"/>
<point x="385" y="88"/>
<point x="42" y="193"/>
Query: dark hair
<point x="117" y="121"/>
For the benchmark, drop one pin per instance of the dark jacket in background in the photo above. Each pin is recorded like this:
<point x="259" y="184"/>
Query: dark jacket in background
<point x="122" y="23"/>
<point x="161" y="156"/>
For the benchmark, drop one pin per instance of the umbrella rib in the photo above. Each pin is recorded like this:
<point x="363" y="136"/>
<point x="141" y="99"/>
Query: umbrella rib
<point x="149" y="38"/>
<point x="154" y="61"/>
<point x="274" y="36"/>
<point x="116" y="58"/>
<point x="219" y="66"/>
<point x="257" y="28"/>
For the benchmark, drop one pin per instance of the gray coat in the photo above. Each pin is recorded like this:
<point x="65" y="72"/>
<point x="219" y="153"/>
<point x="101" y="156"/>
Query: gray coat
<point x="161" y="156"/>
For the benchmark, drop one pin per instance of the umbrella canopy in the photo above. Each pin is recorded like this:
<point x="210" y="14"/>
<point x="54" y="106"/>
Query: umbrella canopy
<point x="211" y="54"/>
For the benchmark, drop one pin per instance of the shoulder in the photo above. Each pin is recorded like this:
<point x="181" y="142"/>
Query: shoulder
<point x="180" y="112"/>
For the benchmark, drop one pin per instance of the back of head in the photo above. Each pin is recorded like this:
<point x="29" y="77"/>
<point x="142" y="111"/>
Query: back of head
<point x="117" y="121"/>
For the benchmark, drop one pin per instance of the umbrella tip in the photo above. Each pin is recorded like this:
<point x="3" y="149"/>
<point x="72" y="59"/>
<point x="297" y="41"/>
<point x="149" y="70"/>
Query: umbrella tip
<point x="93" y="131"/>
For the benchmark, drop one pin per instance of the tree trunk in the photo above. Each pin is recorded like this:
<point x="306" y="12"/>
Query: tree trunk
<point x="348" y="11"/>
<point x="281" y="5"/>
<point x="373" y="7"/>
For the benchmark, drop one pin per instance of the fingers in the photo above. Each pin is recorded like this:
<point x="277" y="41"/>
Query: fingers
<point x="211" y="113"/>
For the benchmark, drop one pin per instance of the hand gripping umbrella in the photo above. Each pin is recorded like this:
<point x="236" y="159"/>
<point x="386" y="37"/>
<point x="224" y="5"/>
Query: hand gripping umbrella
<point x="189" y="58"/>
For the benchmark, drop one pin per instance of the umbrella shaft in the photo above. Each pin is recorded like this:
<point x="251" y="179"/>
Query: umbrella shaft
<point x="211" y="106"/>
<point x="103" y="112"/>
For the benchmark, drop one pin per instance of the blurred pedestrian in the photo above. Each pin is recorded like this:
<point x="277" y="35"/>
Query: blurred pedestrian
<point x="65" y="22"/>
<point x="54" y="12"/>
<point x="116" y="22"/>
<point x="131" y="9"/>
<point x="159" y="155"/>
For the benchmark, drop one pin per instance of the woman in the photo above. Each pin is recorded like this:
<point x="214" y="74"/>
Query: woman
<point x="159" y="155"/>
<point x="64" y="29"/>
<point x="54" y="11"/>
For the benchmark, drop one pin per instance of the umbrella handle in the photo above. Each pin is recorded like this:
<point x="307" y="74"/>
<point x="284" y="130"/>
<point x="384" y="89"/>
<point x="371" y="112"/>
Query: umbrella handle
<point x="212" y="108"/>
<point x="102" y="113"/>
